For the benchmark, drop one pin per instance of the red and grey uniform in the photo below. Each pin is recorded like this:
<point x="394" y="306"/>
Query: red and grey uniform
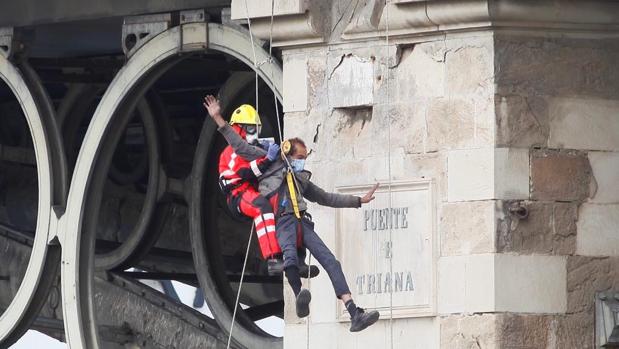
<point x="238" y="179"/>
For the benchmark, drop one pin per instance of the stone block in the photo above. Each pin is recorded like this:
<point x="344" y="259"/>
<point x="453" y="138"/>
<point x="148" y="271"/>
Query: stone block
<point x="598" y="230"/>
<point x="421" y="72"/>
<point x="559" y="175"/>
<point x="530" y="284"/>
<point x="511" y="176"/>
<point x="605" y="167"/>
<point x="526" y="331"/>
<point x="469" y="66"/>
<point x="521" y="121"/>
<point x="588" y="124"/>
<point x="482" y="174"/>
<point x="468" y="331"/>
<point x="556" y="66"/>
<point x="550" y="228"/>
<point x="467" y="228"/>
<point x="451" y="124"/>
<point x="351" y="82"/>
<point x="295" y="83"/>
<point x="466" y="284"/>
<point x="585" y="277"/>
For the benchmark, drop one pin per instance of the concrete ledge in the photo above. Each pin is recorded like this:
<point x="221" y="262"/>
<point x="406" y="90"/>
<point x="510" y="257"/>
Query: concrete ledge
<point x="422" y="18"/>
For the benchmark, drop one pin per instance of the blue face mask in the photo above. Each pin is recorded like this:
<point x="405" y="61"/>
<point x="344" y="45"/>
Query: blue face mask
<point x="297" y="164"/>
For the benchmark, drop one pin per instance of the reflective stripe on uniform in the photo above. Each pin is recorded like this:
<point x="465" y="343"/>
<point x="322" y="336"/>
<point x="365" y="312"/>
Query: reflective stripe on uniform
<point x="255" y="169"/>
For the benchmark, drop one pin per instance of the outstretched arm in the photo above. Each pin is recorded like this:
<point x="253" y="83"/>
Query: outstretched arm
<point x="316" y="194"/>
<point x="240" y="146"/>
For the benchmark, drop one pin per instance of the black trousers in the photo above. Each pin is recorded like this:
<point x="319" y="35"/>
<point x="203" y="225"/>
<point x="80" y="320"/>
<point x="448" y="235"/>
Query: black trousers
<point x="286" y="229"/>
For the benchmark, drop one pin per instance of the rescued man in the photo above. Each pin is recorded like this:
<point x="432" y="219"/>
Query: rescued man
<point x="288" y="224"/>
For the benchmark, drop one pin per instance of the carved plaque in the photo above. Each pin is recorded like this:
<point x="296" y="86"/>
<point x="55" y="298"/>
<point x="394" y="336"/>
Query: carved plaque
<point x="387" y="249"/>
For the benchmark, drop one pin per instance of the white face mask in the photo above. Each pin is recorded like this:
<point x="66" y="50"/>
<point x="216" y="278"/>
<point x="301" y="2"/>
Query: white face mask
<point x="251" y="138"/>
<point x="297" y="165"/>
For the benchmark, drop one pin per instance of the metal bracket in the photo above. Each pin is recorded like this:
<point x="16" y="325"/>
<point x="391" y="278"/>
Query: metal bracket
<point x="607" y="320"/>
<point x="138" y="30"/>
<point x="6" y="41"/>
<point x="194" y="31"/>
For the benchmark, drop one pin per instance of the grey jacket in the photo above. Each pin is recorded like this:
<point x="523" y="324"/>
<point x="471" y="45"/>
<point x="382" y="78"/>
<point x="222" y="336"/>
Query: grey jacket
<point x="312" y="192"/>
<point x="272" y="178"/>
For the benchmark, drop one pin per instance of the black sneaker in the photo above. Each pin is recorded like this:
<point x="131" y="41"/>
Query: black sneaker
<point x="362" y="320"/>
<point x="313" y="271"/>
<point x="276" y="267"/>
<point x="303" y="300"/>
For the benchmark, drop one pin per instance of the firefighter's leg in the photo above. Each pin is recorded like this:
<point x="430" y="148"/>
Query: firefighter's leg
<point x="255" y="206"/>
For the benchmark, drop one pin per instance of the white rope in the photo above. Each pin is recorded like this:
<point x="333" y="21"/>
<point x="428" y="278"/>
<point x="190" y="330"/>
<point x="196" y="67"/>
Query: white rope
<point x="251" y="38"/>
<point x="387" y="104"/>
<point x="238" y="292"/>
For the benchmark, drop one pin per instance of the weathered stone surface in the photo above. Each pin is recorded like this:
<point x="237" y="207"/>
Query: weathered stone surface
<point x="295" y="83"/>
<point x="550" y="228"/>
<point x="466" y="284"/>
<point x="605" y="166"/>
<point x="479" y="174"/>
<point x="469" y="66"/>
<point x="351" y="82"/>
<point x="559" y="175"/>
<point x="530" y="283"/>
<point x="587" y="275"/>
<point x="521" y="121"/>
<point x="526" y="331"/>
<point x="451" y="124"/>
<point x="584" y="123"/>
<point x="556" y="67"/>
<point x="474" y="331"/>
<point x="598" y="230"/>
<point x="467" y="228"/>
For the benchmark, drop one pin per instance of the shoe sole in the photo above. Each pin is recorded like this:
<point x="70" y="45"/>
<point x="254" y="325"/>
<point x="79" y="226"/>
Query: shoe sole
<point x="303" y="300"/>
<point x="371" y="321"/>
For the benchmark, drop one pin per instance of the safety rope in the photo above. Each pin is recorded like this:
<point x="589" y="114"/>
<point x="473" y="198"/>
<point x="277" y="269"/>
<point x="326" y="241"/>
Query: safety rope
<point x="238" y="292"/>
<point x="386" y="110"/>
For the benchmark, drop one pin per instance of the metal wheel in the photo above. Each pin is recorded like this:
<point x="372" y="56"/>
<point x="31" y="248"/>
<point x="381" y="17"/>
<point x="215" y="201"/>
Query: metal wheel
<point x="52" y="186"/>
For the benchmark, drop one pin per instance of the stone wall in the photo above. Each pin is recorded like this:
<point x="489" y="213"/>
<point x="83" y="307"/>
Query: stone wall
<point x="502" y="121"/>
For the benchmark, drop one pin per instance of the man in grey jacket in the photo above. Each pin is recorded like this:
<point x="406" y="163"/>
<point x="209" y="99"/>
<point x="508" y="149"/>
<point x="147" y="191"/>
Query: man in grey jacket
<point x="288" y="226"/>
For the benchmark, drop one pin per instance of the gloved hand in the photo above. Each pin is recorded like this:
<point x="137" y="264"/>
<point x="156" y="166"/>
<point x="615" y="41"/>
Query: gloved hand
<point x="265" y="144"/>
<point x="273" y="152"/>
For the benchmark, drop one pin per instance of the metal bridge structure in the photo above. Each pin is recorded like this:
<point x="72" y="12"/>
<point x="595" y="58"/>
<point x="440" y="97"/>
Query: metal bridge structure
<point x="108" y="168"/>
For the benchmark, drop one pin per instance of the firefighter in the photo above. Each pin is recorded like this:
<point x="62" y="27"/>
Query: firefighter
<point x="238" y="176"/>
<point x="293" y="220"/>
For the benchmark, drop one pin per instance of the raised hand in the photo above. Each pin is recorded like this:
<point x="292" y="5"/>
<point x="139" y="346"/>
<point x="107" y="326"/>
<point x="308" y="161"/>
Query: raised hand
<point x="211" y="104"/>
<point x="370" y="194"/>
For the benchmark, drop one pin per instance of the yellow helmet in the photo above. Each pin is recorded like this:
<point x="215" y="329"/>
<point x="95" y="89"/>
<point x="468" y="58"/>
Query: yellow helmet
<point x="245" y="114"/>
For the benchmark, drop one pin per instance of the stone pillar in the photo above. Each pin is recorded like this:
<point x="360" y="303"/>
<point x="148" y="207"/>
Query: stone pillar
<point x="509" y="113"/>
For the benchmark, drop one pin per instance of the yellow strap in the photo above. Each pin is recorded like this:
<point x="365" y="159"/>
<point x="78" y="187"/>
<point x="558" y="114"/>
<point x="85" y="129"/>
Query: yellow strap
<point x="293" y="195"/>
